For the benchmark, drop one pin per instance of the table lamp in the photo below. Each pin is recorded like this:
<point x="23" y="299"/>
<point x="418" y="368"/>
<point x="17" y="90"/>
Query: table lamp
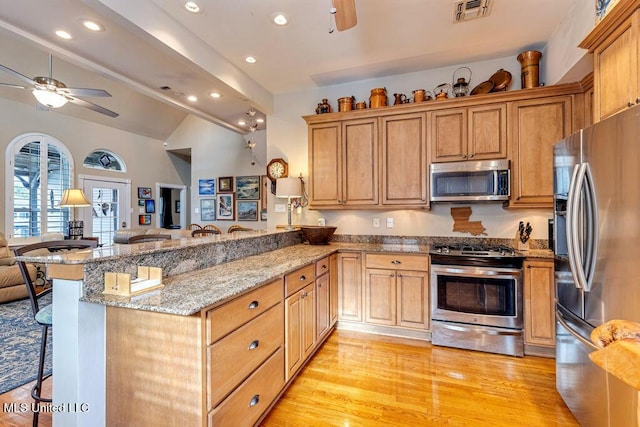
<point x="74" y="198"/>
<point x="288" y="187"/>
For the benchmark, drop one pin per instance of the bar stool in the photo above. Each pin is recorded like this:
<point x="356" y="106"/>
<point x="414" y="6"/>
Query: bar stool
<point x="43" y="315"/>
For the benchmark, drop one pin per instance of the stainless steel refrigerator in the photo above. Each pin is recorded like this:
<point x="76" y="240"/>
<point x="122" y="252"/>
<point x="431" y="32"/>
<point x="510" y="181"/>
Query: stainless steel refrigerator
<point x="597" y="260"/>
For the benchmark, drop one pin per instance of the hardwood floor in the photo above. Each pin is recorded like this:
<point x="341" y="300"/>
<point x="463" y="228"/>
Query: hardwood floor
<point x="23" y="395"/>
<point x="367" y="380"/>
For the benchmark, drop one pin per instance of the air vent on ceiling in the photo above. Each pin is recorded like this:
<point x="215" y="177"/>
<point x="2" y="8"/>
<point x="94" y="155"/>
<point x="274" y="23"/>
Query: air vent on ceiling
<point x="464" y="10"/>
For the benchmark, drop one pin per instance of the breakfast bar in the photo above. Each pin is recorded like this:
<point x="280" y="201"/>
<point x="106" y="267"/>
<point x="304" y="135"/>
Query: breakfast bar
<point x="146" y="355"/>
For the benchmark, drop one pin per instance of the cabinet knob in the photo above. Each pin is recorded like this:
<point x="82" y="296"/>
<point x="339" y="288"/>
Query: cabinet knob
<point x="254" y="400"/>
<point x="324" y="267"/>
<point x="254" y="344"/>
<point x="637" y="100"/>
<point x="396" y="262"/>
<point x="472" y="156"/>
<point x="254" y="304"/>
<point x="303" y="278"/>
<point x="630" y="104"/>
<point x="464" y="156"/>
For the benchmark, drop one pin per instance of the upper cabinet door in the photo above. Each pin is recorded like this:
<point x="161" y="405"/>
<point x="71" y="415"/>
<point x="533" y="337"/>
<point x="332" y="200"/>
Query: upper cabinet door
<point x="325" y="164"/>
<point x="404" y="160"/>
<point x="487" y="132"/>
<point x="360" y="162"/>
<point x="536" y="125"/>
<point x="616" y="70"/>
<point x="448" y="136"/>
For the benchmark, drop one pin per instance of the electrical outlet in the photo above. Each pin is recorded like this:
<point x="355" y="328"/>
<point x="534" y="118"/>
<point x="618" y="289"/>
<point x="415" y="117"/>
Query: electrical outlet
<point x="389" y="222"/>
<point x="376" y="222"/>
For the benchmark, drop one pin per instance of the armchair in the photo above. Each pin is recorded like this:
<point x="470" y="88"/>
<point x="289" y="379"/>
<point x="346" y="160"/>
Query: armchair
<point x="12" y="286"/>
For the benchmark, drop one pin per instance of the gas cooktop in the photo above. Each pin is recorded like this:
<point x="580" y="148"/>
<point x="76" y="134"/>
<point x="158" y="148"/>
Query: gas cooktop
<point x="475" y="250"/>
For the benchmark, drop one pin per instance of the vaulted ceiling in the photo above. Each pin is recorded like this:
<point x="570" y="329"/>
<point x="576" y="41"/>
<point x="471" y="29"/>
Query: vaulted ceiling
<point x="150" y="44"/>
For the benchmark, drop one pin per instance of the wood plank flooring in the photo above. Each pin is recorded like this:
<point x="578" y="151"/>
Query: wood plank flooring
<point x="367" y="380"/>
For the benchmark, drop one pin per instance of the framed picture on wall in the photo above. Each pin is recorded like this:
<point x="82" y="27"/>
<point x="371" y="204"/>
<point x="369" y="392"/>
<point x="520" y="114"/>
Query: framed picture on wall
<point x="150" y="206"/>
<point x="247" y="210"/>
<point x="226" y="206"/>
<point x="208" y="209"/>
<point x="207" y="187"/>
<point x="248" y="187"/>
<point x="140" y="202"/>
<point x="225" y="184"/>
<point x="264" y="192"/>
<point x="177" y="206"/>
<point x="144" y="219"/>
<point x="144" y="192"/>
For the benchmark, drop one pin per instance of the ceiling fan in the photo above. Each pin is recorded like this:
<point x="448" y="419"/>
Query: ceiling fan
<point x="344" y="12"/>
<point x="52" y="93"/>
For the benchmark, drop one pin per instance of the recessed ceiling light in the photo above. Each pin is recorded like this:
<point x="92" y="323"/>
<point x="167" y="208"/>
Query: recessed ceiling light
<point x="192" y="98"/>
<point x="192" y="7"/>
<point x="280" y="18"/>
<point x="242" y="122"/>
<point x="215" y="95"/>
<point x="260" y="120"/>
<point x="251" y="59"/>
<point x="63" y="34"/>
<point x="93" y="25"/>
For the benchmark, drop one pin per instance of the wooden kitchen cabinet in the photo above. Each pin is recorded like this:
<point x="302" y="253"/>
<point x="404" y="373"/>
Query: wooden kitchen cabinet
<point x="300" y="317"/>
<point x="350" y="287"/>
<point x="216" y="362"/>
<point x="473" y="133"/>
<point x="535" y="125"/>
<point x="615" y="45"/>
<point x="397" y="290"/>
<point x="323" y="298"/>
<point x="404" y="160"/>
<point x="539" y="303"/>
<point x="343" y="163"/>
<point x="333" y="292"/>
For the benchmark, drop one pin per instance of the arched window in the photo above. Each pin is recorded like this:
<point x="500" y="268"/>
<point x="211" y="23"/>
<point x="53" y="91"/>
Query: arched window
<point x="39" y="169"/>
<point x="104" y="159"/>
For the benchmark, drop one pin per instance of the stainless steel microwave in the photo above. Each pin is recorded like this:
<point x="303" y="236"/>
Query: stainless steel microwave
<point x="470" y="181"/>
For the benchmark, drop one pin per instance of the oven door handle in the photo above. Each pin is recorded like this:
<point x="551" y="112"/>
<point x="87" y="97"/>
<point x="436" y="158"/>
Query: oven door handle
<point x="460" y="328"/>
<point x="497" y="273"/>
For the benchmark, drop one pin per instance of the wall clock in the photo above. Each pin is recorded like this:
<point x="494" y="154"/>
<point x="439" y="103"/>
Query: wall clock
<point x="277" y="168"/>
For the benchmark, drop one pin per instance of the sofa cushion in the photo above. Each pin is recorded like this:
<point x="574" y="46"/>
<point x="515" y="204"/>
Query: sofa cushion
<point x="11" y="276"/>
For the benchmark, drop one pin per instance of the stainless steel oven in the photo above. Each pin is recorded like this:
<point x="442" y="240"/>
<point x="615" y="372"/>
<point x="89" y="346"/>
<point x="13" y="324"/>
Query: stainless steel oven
<point x="476" y="299"/>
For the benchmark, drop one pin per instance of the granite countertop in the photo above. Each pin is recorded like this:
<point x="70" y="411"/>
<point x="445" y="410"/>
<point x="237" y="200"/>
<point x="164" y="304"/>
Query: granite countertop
<point x="188" y="293"/>
<point x="538" y="254"/>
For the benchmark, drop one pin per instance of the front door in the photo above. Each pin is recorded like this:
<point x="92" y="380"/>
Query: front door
<point x="109" y="207"/>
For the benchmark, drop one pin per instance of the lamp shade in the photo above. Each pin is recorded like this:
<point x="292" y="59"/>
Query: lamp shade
<point x="288" y="187"/>
<point x="49" y="98"/>
<point x="74" y="197"/>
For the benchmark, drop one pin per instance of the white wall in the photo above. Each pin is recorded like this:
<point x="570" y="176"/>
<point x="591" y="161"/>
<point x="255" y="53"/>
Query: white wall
<point x="563" y="61"/>
<point x="216" y="152"/>
<point x="146" y="160"/>
<point x="287" y="138"/>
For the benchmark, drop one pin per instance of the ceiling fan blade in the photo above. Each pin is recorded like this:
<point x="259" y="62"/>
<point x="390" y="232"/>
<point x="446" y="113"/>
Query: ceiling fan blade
<point x="81" y="91"/>
<point x="345" y="14"/>
<point x="17" y="74"/>
<point x="92" y="106"/>
<point x="12" y="85"/>
<point x="42" y="107"/>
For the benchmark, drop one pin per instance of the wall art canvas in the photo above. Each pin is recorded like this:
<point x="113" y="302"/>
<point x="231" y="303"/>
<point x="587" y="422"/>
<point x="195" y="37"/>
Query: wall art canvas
<point x="247" y="211"/>
<point x="207" y="187"/>
<point x="208" y="209"/>
<point x="226" y="206"/>
<point x="248" y="187"/>
<point x="144" y="192"/>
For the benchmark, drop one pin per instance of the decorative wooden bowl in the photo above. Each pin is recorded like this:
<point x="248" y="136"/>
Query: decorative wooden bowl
<point x="318" y="234"/>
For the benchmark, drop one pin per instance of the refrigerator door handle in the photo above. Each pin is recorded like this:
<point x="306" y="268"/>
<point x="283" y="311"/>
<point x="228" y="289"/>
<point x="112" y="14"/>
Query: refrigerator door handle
<point x="572" y="224"/>
<point x="583" y="341"/>
<point x="593" y="226"/>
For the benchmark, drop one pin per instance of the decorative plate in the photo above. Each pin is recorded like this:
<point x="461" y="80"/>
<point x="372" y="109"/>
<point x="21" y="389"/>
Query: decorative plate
<point x="484" y="87"/>
<point x="501" y="80"/>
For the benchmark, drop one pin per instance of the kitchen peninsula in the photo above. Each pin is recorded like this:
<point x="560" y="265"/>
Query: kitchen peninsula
<point x="149" y="357"/>
<point x="237" y="318"/>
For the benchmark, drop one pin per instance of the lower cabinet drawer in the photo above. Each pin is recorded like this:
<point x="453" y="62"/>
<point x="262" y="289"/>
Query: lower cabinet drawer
<point x="298" y="279"/>
<point x="397" y="262"/>
<point x="224" y="319"/>
<point x="233" y="358"/>
<point x="248" y="402"/>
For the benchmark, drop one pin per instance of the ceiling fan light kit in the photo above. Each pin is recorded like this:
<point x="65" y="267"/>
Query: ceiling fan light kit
<point x="52" y="93"/>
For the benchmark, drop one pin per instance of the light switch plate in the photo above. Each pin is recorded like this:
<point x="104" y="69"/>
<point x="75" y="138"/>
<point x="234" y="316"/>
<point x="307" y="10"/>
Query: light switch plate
<point x="389" y="222"/>
<point x="280" y="208"/>
<point x="376" y="222"/>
